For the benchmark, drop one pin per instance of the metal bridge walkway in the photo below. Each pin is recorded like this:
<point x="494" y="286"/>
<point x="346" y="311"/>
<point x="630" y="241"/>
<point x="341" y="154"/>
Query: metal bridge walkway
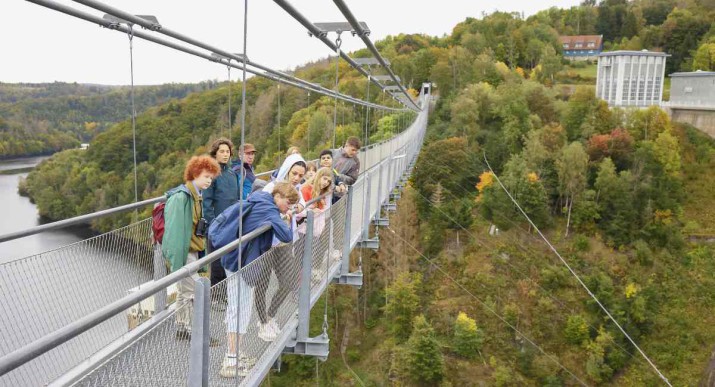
<point x="74" y="331"/>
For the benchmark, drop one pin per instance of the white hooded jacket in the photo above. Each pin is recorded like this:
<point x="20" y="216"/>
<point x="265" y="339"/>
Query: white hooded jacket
<point x="283" y="176"/>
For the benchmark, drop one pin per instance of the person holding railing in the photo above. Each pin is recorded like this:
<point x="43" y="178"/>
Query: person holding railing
<point x="184" y="232"/>
<point x="292" y="171"/>
<point x="318" y="190"/>
<point x="261" y="208"/>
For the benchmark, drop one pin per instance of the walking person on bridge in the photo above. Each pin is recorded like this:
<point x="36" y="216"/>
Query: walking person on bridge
<point x="222" y="193"/>
<point x="260" y="208"/>
<point x="184" y="232"/>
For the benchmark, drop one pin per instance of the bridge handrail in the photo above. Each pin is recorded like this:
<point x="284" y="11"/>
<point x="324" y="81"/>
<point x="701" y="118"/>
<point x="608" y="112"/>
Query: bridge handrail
<point x="131" y="206"/>
<point x="74" y="329"/>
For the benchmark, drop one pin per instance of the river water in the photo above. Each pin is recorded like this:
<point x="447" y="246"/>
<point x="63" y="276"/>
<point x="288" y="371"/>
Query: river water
<point x="49" y="280"/>
<point x="18" y="213"/>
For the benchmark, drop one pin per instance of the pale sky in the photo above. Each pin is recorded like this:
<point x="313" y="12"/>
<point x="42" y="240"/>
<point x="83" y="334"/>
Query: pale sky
<point x="43" y="45"/>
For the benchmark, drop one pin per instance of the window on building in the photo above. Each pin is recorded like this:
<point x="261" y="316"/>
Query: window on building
<point x="591" y="44"/>
<point x="566" y="45"/>
<point x="578" y="45"/>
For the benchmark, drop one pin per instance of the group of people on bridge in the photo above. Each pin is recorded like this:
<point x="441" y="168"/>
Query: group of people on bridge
<point x="218" y="189"/>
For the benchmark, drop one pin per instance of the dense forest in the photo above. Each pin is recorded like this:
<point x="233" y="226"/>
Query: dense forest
<point x="49" y="117"/>
<point x="449" y="300"/>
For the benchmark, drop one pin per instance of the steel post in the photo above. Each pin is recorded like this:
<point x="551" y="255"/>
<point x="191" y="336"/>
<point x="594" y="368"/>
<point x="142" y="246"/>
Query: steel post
<point x="200" y="335"/>
<point x="304" y="291"/>
<point x="366" y="209"/>
<point x="345" y="264"/>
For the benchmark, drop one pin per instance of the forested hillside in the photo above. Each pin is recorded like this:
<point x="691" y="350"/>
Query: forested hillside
<point x="48" y="117"/>
<point x="445" y="301"/>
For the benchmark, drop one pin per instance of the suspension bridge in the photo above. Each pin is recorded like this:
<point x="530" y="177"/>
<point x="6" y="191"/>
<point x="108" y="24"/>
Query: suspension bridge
<point x="101" y="311"/>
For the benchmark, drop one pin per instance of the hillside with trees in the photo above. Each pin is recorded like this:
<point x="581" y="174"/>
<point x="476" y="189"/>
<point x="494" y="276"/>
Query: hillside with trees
<point x="463" y="290"/>
<point x="48" y="117"/>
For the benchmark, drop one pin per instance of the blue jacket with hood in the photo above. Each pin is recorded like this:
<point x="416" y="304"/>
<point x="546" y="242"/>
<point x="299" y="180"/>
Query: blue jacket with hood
<point x="263" y="210"/>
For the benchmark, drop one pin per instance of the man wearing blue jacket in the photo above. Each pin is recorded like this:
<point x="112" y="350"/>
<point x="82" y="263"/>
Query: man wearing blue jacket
<point x="261" y="208"/>
<point x="222" y="193"/>
<point x="246" y="156"/>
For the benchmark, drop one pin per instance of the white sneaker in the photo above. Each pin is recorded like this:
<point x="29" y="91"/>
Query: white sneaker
<point x="265" y="332"/>
<point x="275" y="329"/>
<point x="228" y="368"/>
<point x="247" y="360"/>
<point x="316" y="276"/>
<point x="233" y="367"/>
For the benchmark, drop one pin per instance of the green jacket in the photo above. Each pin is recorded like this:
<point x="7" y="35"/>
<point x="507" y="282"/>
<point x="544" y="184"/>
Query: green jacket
<point x="178" y="227"/>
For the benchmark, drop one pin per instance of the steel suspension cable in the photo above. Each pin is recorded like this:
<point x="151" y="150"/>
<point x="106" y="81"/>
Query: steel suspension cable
<point x="363" y="34"/>
<point x="474" y="238"/>
<point x="242" y="155"/>
<point x="487" y="307"/>
<point x="578" y="278"/>
<point x="279" y="122"/>
<point x="338" y="42"/>
<point x="130" y="34"/>
<point x="229" y="100"/>
<point x="318" y="33"/>
<point x="268" y="73"/>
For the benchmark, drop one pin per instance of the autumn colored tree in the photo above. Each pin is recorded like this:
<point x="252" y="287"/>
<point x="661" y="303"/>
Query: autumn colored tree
<point x="468" y="338"/>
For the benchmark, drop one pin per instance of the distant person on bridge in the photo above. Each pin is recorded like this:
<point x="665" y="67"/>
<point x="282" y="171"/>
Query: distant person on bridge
<point x="326" y="161"/>
<point x="261" y="208"/>
<point x="222" y="193"/>
<point x="346" y="163"/>
<point x="246" y="156"/>
<point x="184" y="232"/>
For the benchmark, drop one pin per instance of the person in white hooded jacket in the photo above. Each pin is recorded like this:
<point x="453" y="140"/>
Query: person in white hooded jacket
<point x="283" y="260"/>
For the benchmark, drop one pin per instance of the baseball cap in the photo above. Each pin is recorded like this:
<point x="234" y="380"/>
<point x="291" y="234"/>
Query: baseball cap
<point x="247" y="148"/>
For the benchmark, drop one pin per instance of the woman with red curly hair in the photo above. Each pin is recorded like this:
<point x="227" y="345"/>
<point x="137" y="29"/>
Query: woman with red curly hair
<point x="184" y="230"/>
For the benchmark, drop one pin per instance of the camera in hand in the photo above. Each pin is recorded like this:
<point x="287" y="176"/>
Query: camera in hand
<point x="201" y="227"/>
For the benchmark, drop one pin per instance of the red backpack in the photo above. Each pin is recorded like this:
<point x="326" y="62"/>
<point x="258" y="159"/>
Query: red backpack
<point x="157" y="221"/>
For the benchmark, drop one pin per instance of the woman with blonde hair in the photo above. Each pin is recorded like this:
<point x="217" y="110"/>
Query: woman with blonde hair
<point x="321" y="184"/>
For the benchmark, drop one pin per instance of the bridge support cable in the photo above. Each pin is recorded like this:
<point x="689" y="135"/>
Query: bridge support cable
<point x="578" y="278"/>
<point x="363" y="34"/>
<point x="319" y="33"/>
<point x="473" y="236"/>
<point x="266" y="72"/>
<point x="487" y="307"/>
<point x="235" y="336"/>
<point x="154" y="26"/>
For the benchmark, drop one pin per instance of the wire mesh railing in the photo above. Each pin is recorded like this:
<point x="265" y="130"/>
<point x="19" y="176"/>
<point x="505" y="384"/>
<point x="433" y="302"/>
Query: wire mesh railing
<point x="159" y="358"/>
<point x="47" y="291"/>
<point x="100" y="271"/>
